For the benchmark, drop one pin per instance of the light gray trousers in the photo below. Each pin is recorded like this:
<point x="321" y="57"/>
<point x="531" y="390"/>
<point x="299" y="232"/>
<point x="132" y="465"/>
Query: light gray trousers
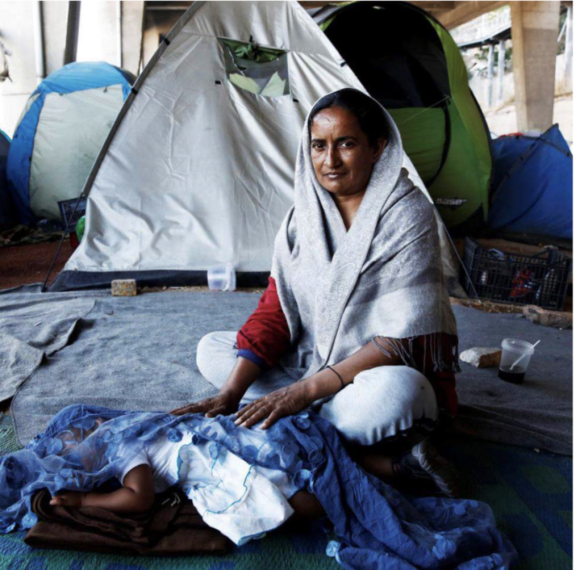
<point x="388" y="404"/>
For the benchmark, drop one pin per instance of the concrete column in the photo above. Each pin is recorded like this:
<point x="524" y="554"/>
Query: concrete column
<point x="568" y="52"/>
<point x="534" y="44"/>
<point x="132" y="28"/>
<point x="490" y="74"/>
<point x="72" y="32"/>
<point x="156" y="23"/>
<point x="38" y="26"/>
<point x="55" y="23"/>
<point x="501" y="69"/>
<point x="18" y="37"/>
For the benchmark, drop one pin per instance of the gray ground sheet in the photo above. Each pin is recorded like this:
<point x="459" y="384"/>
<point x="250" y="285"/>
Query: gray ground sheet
<point x="31" y="327"/>
<point x="537" y="413"/>
<point x="139" y="353"/>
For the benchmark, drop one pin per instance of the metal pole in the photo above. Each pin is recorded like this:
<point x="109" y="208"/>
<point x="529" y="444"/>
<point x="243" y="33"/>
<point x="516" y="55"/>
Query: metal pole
<point x="39" y="40"/>
<point x="490" y="72"/>
<point x="501" y="69"/>
<point x="568" y="51"/>
<point x="72" y="32"/>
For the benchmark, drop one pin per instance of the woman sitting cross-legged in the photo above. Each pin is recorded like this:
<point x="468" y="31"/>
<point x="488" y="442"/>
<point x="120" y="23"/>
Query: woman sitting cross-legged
<point x="355" y="320"/>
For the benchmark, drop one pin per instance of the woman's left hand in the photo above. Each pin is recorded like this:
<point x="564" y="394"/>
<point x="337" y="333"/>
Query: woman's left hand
<point x="284" y="402"/>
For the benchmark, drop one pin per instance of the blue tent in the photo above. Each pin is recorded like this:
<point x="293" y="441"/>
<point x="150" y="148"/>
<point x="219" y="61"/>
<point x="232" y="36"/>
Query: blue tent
<point x="7" y="213"/>
<point x="61" y="131"/>
<point x="533" y="185"/>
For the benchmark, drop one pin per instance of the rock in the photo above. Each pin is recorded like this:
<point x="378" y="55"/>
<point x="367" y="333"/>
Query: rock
<point x="482" y="357"/>
<point x="124" y="288"/>
<point x="547" y="318"/>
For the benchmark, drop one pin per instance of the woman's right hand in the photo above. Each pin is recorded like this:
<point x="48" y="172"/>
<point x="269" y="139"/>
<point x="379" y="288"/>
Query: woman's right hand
<point x="224" y="403"/>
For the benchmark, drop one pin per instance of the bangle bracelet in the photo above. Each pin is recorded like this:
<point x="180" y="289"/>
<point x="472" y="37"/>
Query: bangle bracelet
<point x="340" y="377"/>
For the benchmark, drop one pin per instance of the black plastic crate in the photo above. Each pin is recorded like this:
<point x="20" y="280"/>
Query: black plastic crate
<point x="540" y="279"/>
<point x="70" y="213"/>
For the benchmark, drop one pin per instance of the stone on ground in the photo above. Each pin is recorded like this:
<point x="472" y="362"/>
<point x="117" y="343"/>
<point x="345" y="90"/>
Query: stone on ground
<point x="481" y="357"/>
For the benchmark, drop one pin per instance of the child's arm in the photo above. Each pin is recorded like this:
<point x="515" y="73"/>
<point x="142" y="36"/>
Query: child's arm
<point x="136" y="495"/>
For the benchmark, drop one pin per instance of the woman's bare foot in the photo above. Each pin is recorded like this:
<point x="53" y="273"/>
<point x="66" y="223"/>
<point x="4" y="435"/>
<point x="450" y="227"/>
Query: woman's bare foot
<point x="71" y="499"/>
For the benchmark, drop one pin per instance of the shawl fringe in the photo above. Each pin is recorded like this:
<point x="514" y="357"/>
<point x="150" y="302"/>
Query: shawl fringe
<point x="439" y="350"/>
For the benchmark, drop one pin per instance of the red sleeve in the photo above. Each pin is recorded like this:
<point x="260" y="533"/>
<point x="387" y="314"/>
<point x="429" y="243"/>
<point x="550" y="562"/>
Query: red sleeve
<point x="266" y="332"/>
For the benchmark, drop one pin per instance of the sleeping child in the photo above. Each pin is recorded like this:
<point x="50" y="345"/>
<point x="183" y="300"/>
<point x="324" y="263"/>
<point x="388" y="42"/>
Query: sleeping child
<point x="245" y="482"/>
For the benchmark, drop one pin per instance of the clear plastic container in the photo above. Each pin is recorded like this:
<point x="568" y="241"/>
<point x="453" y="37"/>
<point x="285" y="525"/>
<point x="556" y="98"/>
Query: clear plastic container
<point x="516" y="355"/>
<point x="222" y="278"/>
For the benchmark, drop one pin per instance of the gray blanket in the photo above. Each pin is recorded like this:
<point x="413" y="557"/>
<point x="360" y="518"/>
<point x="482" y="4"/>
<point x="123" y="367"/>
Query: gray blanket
<point x="31" y="329"/>
<point x="139" y="353"/>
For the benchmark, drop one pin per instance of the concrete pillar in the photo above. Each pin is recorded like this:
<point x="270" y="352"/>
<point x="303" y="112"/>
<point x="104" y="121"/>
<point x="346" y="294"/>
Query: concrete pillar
<point x="490" y="74"/>
<point x="55" y="23"/>
<point x="38" y="27"/>
<point x="17" y="34"/>
<point x="534" y="44"/>
<point x="501" y="69"/>
<point x="156" y="23"/>
<point x="568" y="52"/>
<point x="132" y="28"/>
<point x="72" y="32"/>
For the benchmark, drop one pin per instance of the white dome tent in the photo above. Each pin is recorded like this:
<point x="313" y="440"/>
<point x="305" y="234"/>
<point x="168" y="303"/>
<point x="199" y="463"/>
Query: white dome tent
<point x="198" y="168"/>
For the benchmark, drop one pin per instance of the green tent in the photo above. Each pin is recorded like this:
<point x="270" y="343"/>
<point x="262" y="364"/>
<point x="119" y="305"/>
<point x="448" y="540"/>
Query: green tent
<point x="410" y="63"/>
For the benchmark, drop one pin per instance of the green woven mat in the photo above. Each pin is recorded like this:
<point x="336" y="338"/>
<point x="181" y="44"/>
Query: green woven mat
<point x="530" y="493"/>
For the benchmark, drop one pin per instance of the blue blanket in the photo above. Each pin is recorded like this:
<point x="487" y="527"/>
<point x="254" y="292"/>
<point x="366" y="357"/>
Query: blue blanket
<point x="377" y="527"/>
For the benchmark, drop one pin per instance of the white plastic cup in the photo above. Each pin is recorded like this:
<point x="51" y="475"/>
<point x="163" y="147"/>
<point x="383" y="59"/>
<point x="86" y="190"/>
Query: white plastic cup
<point x="222" y="278"/>
<point x="516" y="355"/>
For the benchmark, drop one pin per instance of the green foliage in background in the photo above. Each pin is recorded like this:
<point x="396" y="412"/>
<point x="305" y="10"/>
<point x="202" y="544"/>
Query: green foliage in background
<point x="252" y="51"/>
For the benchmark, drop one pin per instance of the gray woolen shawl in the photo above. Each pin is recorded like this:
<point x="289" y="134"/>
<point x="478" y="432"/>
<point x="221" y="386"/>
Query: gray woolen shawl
<point x="340" y="290"/>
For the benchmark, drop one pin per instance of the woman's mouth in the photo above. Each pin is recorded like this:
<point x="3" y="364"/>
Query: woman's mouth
<point x="334" y="175"/>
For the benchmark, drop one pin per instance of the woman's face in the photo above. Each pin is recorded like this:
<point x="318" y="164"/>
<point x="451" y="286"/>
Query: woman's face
<point x="341" y="154"/>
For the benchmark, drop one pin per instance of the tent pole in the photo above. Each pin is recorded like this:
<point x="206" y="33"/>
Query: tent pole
<point x="460" y="259"/>
<point x="66" y="229"/>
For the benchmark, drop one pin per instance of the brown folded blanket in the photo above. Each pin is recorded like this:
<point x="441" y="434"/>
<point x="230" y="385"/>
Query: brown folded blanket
<point x="172" y="527"/>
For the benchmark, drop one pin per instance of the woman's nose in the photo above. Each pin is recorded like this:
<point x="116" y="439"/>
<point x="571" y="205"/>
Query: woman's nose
<point x="332" y="157"/>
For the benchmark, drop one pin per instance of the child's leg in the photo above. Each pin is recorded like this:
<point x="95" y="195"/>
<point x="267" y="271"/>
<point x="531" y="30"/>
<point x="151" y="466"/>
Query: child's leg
<point x="306" y="505"/>
<point x="136" y="495"/>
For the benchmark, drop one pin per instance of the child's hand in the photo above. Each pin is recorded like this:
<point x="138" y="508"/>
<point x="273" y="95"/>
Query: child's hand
<point x="71" y="499"/>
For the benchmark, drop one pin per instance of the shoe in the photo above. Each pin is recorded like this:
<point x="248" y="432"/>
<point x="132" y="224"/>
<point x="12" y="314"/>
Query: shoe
<point x="425" y="463"/>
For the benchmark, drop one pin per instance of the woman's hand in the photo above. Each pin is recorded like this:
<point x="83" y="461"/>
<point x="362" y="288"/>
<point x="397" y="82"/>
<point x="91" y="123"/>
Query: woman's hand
<point x="284" y="402"/>
<point x="225" y="403"/>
